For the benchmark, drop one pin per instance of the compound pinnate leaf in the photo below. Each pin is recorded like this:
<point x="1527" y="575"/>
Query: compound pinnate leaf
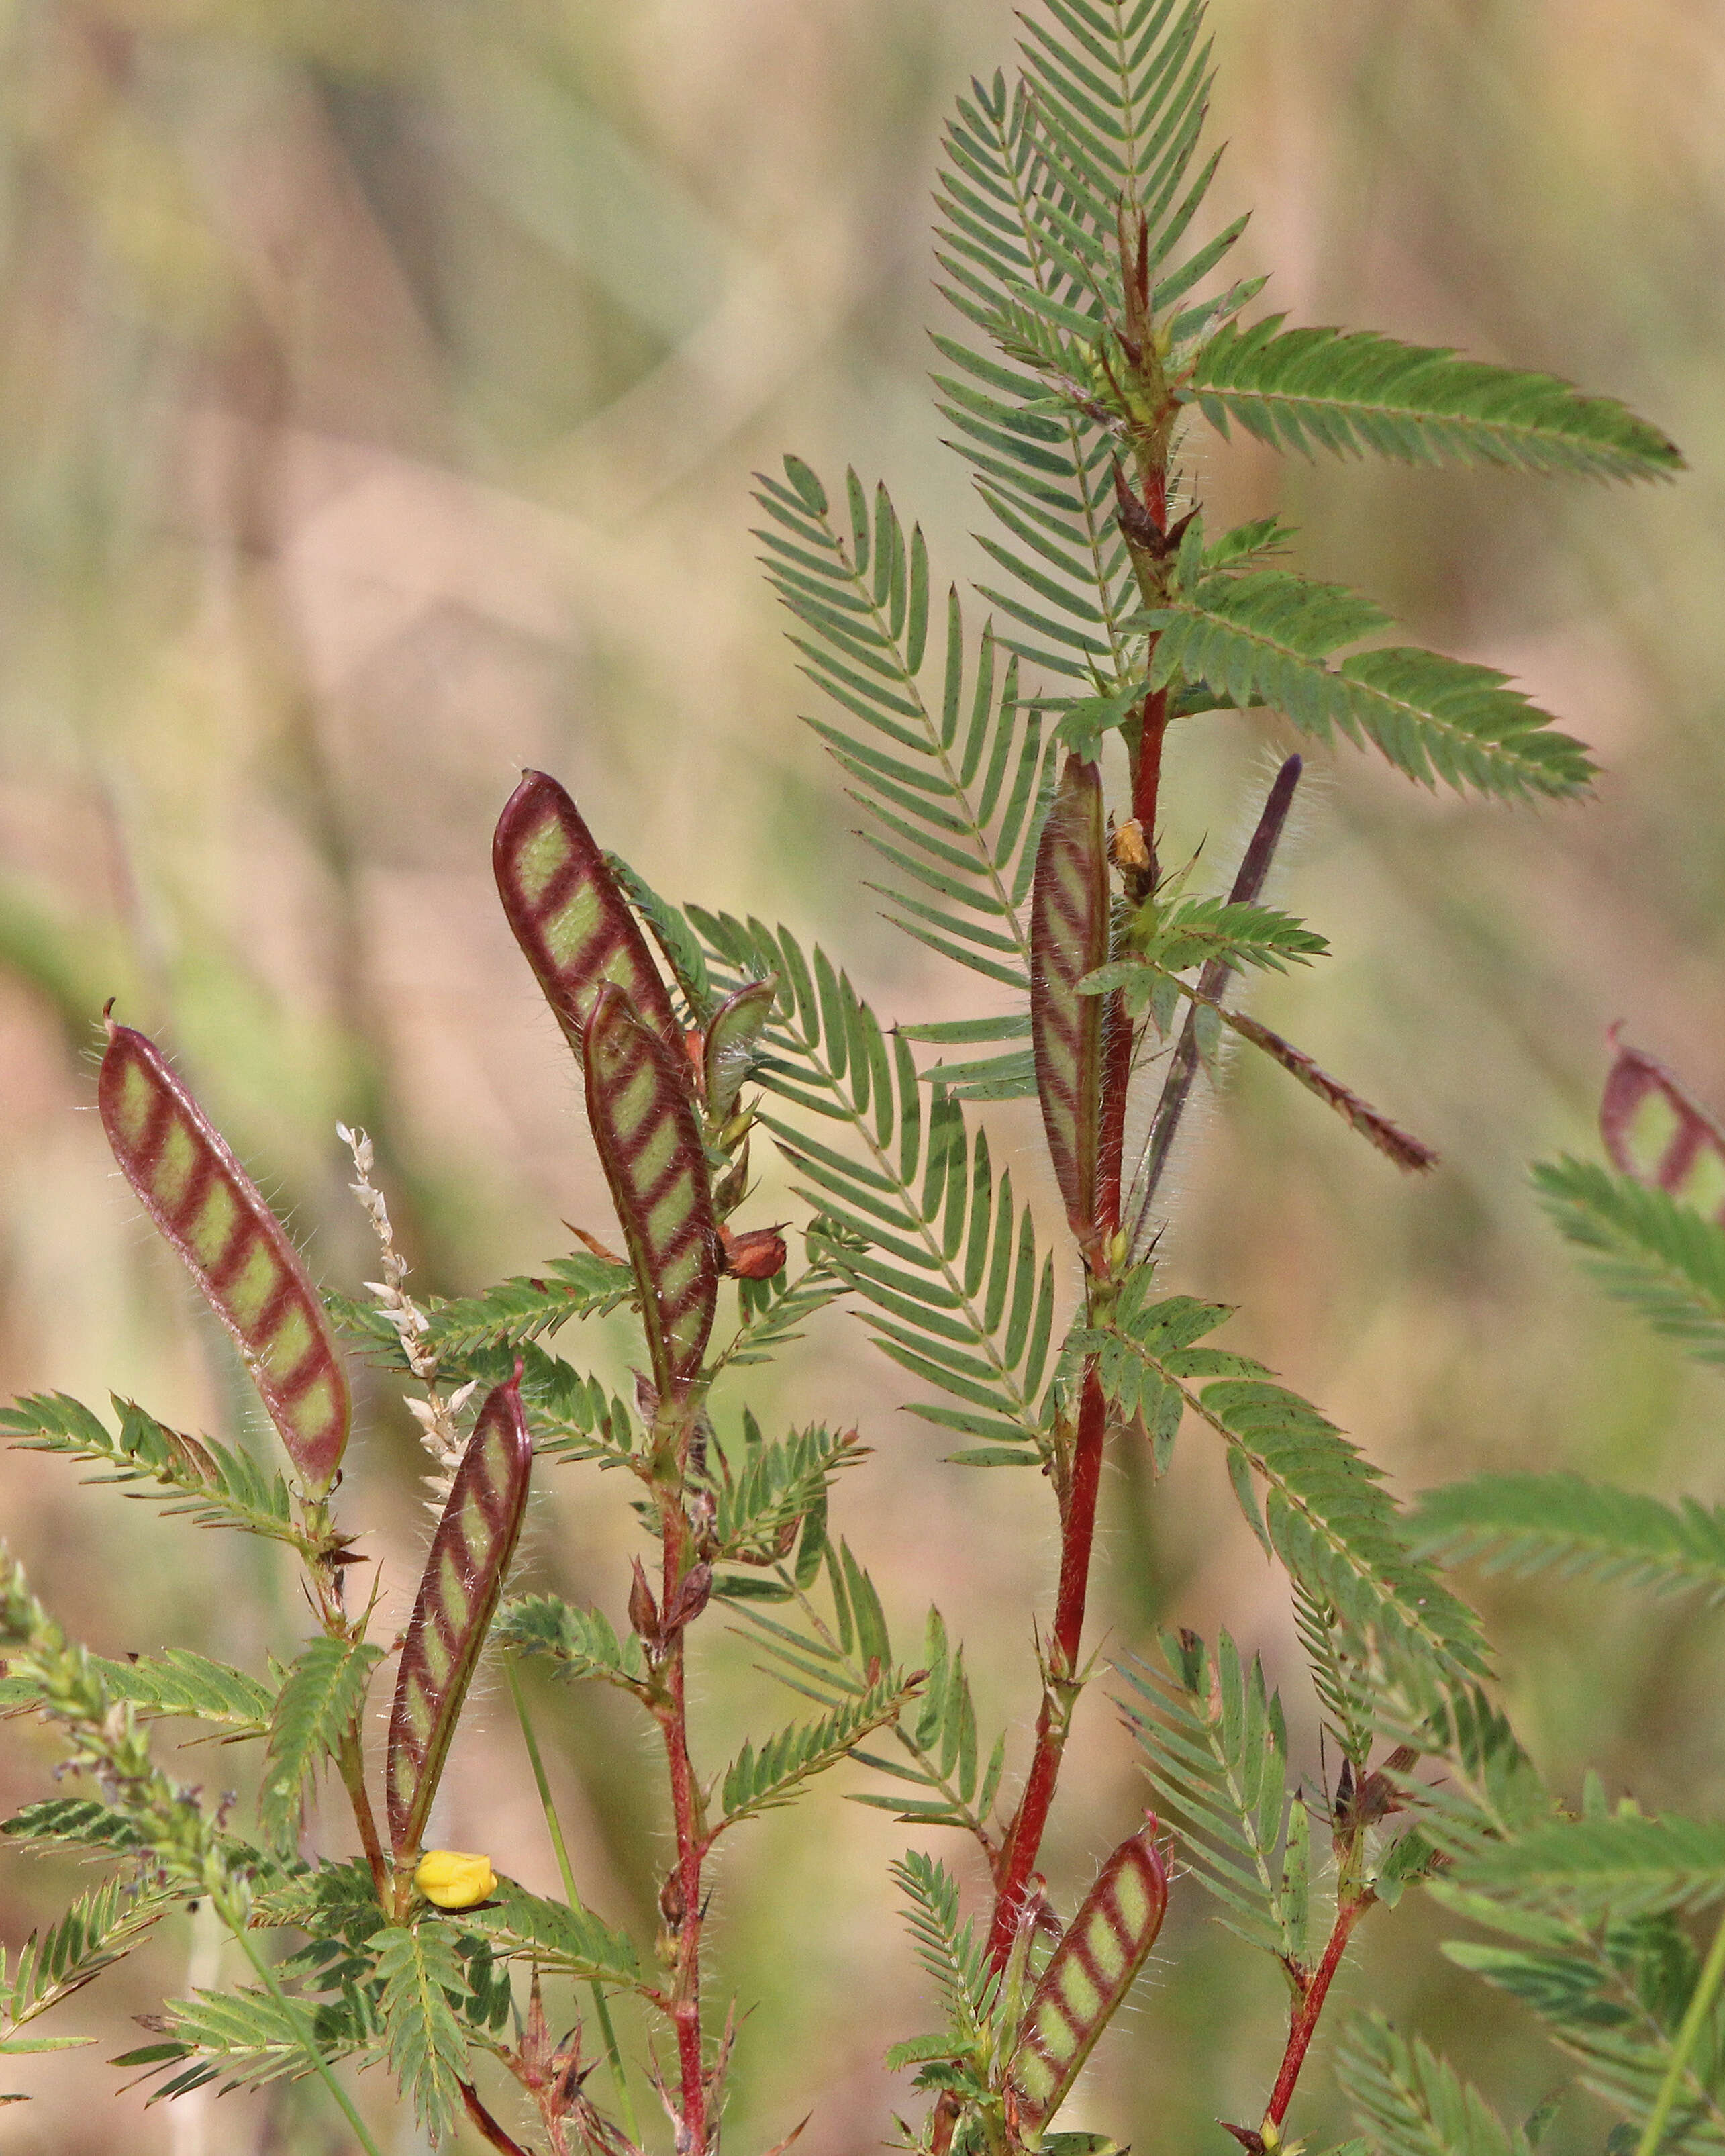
<point x="457" y="1592"/>
<point x="1090" y="1973"/>
<point x="568" y="914"/>
<point x="649" y="1141"/>
<point x="236" y="1250"/>
<point x="1654" y="1131"/>
<point x="1069" y="938"/>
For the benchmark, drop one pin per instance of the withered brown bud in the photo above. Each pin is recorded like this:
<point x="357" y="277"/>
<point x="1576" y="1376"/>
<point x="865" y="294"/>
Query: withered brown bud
<point x="693" y="1592"/>
<point x="643" y="1609"/>
<point x="759" y="1255"/>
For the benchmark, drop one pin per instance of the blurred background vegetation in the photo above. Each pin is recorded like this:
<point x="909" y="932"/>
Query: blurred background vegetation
<point x="379" y="388"/>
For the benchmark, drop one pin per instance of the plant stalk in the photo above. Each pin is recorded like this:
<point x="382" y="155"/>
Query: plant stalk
<point x="1701" y="2002"/>
<point x="325" y="2073"/>
<point x="499" y="2136"/>
<point x="1023" y="1840"/>
<point x="1303" y="2023"/>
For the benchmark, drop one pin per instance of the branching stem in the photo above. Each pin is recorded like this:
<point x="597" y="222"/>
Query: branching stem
<point x="1303" y="2022"/>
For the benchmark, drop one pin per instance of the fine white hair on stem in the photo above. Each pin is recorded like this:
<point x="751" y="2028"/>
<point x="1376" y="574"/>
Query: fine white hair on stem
<point x="435" y="1414"/>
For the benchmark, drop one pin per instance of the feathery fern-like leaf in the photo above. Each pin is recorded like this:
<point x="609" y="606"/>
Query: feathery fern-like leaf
<point x="1647" y="1249"/>
<point x="760" y="1781"/>
<point x="915" y="1220"/>
<point x="1266" y="637"/>
<point x="315" y="1711"/>
<point x="1353" y="391"/>
<point x="1524" y="1524"/>
<point x="1215" y="1748"/>
<point x="424" y="1984"/>
<point x="581" y="1643"/>
<point x="1409" y="2103"/>
<point x="99" y="1929"/>
<point x="215" y="1484"/>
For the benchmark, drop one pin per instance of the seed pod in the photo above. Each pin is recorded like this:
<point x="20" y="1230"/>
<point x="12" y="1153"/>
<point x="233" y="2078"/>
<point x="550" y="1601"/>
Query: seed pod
<point x="1091" y="1973"/>
<point x="470" y="1554"/>
<point x="1069" y="938"/>
<point x="1654" y="1131"/>
<point x="649" y="1147"/>
<point x="235" y="1248"/>
<point x="732" y="1040"/>
<point x="568" y="914"/>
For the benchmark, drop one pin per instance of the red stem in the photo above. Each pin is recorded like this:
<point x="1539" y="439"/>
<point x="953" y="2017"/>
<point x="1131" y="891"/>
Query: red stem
<point x="1147" y="772"/>
<point x="1303" y="2022"/>
<point x="487" y="2125"/>
<point x="1078" y="1524"/>
<point x="674" y="1720"/>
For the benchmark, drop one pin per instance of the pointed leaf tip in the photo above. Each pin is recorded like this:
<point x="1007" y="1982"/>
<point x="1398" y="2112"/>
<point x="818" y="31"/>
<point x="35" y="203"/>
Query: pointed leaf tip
<point x="573" y="923"/>
<point x="649" y="1145"/>
<point x="211" y="1211"/>
<point x="470" y="1552"/>
<point x="1069" y="939"/>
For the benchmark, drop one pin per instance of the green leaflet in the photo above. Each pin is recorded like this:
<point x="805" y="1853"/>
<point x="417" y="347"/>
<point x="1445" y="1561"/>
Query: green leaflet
<point x="1351" y="391"/>
<point x="568" y="914"/>
<point x="1645" y="1247"/>
<point x="757" y="1782"/>
<point x="1092" y="1972"/>
<point x="99" y="1929"/>
<point x="952" y="778"/>
<point x="209" y="1482"/>
<point x="581" y="1643"/>
<point x="314" y="1714"/>
<point x="424" y="1984"/>
<point x="1524" y="1524"/>
<point x="1617" y="1867"/>
<point x="1657" y="1131"/>
<point x="643" y="1119"/>
<point x="1215" y="1747"/>
<point x="1409" y="2102"/>
<point x="469" y="1555"/>
<point x="1068" y="940"/>
<point x="1266" y="637"/>
<point x="233" y="1245"/>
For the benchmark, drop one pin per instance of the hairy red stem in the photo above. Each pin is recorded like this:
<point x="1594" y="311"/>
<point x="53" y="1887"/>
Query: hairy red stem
<point x="674" y="1720"/>
<point x="488" y="2125"/>
<point x="1078" y="1524"/>
<point x="1146" y="771"/>
<point x="1303" y="2023"/>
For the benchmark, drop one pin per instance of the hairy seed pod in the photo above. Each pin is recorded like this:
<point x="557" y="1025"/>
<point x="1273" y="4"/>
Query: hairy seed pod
<point x="570" y="919"/>
<point x="1654" y="1131"/>
<point x="731" y="1039"/>
<point x="1069" y="938"/>
<point x="235" y="1248"/>
<point x="1092" y="1972"/>
<point x="469" y="1555"/>
<point x="649" y="1141"/>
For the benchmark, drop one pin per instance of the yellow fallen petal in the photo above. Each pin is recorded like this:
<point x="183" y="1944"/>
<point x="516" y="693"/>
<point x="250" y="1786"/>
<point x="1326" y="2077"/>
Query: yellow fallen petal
<point x="455" y="1880"/>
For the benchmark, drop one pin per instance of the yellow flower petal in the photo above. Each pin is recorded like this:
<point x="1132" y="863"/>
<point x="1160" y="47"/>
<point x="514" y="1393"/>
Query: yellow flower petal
<point x="455" y="1880"/>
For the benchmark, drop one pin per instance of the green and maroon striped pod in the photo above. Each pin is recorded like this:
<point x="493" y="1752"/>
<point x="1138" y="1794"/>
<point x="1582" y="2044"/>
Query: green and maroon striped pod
<point x="469" y="1555"/>
<point x="1655" y="1131"/>
<point x="649" y="1141"/>
<point x="1069" y="938"/>
<point x="570" y="919"/>
<point x="1091" y="1973"/>
<point x="236" y="1250"/>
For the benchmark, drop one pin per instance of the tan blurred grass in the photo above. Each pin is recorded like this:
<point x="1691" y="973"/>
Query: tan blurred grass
<point x="380" y="389"/>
